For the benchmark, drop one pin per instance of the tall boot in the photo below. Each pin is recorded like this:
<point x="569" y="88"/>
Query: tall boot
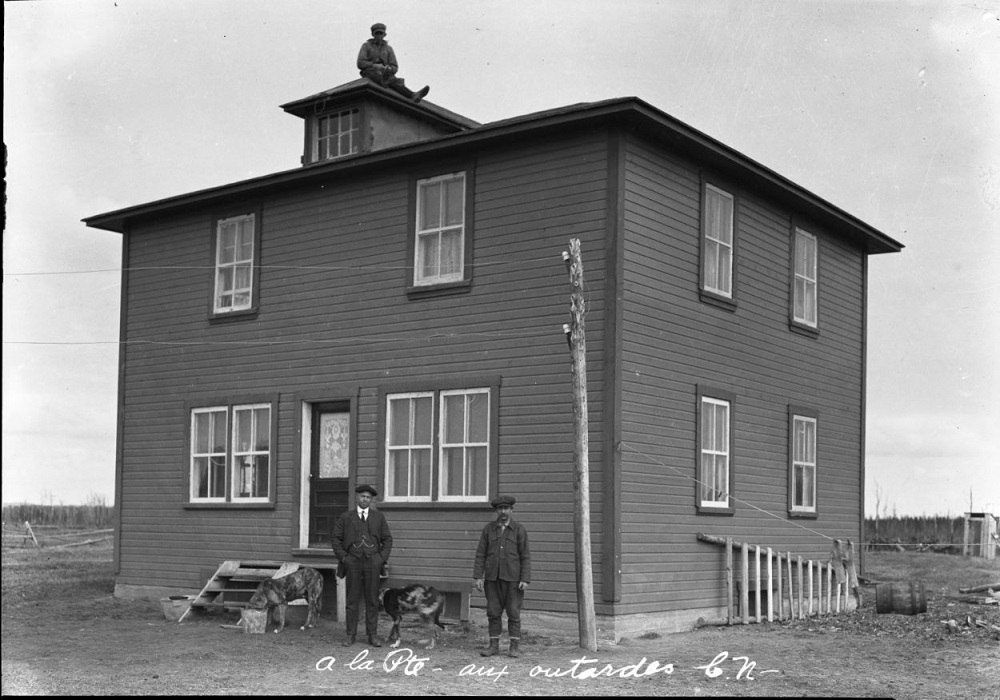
<point x="494" y="649"/>
<point x="515" y="650"/>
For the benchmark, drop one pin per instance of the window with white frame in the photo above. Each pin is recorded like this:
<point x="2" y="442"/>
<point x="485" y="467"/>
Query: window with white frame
<point x="209" y="427"/>
<point x="251" y="451"/>
<point x="805" y="284"/>
<point x="440" y="233"/>
<point x="803" y="464"/>
<point x="465" y="444"/>
<point x="336" y="135"/>
<point x="409" y="446"/>
<point x="715" y="452"/>
<point x="234" y="264"/>
<point x="231" y="454"/>
<point x="717" y="250"/>
<point x="438" y="445"/>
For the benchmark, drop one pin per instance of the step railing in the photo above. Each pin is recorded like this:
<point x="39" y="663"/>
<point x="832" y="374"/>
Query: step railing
<point x="810" y="587"/>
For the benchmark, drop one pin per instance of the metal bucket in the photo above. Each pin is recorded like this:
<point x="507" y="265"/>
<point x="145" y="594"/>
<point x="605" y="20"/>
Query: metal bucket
<point x="175" y="606"/>
<point x="253" y="621"/>
<point x="903" y="598"/>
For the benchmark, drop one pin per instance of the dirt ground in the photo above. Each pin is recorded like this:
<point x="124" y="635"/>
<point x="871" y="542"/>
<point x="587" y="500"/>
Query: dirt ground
<point x="72" y="637"/>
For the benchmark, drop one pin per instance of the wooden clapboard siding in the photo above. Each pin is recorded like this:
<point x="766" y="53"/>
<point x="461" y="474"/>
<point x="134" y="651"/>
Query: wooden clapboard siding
<point x="672" y="342"/>
<point x="333" y="280"/>
<point x="333" y="288"/>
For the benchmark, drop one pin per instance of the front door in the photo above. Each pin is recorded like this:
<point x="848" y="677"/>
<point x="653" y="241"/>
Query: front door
<point x="328" y="469"/>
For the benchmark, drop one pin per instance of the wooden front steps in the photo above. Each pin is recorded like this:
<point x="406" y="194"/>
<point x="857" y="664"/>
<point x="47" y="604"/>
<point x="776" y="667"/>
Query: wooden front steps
<point x="233" y="584"/>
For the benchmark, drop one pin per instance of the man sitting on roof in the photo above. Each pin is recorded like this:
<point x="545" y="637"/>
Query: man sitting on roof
<point x="377" y="62"/>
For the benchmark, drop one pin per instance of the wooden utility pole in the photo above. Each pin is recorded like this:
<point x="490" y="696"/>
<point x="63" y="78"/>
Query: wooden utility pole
<point x="581" y="482"/>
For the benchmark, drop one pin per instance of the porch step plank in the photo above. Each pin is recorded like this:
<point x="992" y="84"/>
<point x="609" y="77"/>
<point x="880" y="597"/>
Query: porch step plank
<point x="226" y="582"/>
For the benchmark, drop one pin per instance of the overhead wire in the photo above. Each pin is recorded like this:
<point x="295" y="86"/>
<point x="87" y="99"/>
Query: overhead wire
<point x="731" y="496"/>
<point x="143" y="268"/>
<point x="361" y="339"/>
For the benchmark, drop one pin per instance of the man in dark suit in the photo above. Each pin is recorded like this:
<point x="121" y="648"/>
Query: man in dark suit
<point x="362" y="542"/>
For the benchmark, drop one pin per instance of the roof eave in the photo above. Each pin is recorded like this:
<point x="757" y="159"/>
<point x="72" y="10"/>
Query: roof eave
<point x="768" y="181"/>
<point x="642" y="115"/>
<point x="363" y="87"/>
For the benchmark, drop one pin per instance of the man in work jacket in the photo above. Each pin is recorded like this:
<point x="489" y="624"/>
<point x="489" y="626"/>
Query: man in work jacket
<point x="362" y="542"/>
<point x="377" y="62"/>
<point x="503" y="568"/>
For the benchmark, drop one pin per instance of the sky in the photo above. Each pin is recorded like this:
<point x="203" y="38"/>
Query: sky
<point x="888" y="109"/>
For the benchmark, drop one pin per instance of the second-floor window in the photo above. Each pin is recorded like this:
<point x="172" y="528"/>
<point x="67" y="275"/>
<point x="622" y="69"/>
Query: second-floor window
<point x="234" y="264"/>
<point x="805" y="282"/>
<point x="440" y="233"/>
<point x="336" y="135"/>
<point x="717" y="243"/>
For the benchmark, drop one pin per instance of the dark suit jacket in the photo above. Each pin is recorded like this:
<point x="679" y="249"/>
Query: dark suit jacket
<point x="348" y="530"/>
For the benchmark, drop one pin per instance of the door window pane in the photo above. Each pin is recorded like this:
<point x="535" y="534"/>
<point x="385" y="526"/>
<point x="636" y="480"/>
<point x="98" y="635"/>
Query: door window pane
<point x="334" y="445"/>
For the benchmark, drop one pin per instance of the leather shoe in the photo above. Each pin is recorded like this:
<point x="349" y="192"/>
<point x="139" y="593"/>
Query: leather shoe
<point x="373" y="640"/>
<point x="349" y="641"/>
<point x="421" y="94"/>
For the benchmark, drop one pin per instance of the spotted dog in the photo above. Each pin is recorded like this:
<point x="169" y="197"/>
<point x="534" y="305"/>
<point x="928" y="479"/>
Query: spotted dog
<point x="278" y="592"/>
<point x="425" y="601"/>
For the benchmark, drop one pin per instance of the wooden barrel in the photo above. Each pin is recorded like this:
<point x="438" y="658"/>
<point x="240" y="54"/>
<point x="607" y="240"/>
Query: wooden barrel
<point x="903" y="598"/>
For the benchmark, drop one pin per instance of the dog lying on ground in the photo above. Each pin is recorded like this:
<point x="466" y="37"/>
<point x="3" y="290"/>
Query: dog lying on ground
<point x="278" y="592"/>
<point x="425" y="601"/>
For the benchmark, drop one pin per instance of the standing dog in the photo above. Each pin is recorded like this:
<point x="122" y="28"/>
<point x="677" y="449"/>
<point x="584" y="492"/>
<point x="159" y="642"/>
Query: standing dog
<point x="278" y="592"/>
<point x="425" y="601"/>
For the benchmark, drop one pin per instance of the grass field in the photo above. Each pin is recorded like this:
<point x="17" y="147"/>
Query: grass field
<point x="29" y="572"/>
<point x="943" y="573"/>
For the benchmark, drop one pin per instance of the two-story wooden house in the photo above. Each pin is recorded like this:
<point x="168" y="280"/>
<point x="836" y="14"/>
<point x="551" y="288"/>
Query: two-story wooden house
<point x="391" y="313"/>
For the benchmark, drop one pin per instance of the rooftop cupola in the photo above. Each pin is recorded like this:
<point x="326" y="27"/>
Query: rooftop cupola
<point x="361" y="117"/>
<point x="374" y="112"/>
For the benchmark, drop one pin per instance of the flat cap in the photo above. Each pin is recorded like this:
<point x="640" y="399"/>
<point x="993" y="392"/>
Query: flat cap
<point x="503" y="501"/>
<point x="378" y="27"/>
<point x="365" y="488"/>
